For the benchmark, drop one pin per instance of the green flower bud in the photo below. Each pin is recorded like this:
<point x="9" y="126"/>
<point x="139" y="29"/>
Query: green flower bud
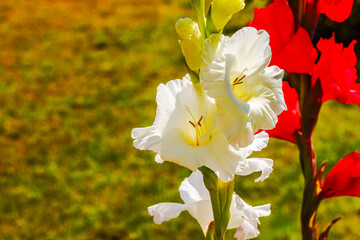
<point x="222" y="11"/>
<point x="187" y="29"/>
<point x="190" y="42"/>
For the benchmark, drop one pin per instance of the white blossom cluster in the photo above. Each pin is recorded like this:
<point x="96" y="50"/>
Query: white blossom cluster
<point x="217" y="121"/>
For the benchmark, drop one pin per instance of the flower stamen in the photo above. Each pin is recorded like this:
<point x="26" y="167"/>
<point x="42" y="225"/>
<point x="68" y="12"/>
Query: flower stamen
<point x="239" y="79"/>
<point x="200" y="121"/>
<point x="195" y="124"/>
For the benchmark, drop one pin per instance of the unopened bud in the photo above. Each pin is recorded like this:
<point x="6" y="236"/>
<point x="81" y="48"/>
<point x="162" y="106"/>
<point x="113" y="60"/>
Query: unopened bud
<point x="190" y="43"/>
<point x="222" y="11"/>
<point x="187" y="29"/>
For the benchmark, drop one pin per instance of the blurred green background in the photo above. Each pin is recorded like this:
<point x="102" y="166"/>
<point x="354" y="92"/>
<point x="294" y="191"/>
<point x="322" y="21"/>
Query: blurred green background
<point x="76" y="77"/>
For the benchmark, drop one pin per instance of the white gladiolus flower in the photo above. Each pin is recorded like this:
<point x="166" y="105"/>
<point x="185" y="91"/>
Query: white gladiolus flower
<point x="197" y="202"/>
<point x="247" y="91"/>
<point x="184" y="132"/>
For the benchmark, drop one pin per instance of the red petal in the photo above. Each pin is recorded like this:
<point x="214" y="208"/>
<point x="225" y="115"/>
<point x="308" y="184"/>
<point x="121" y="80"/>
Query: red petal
<point x="344" y="178"/>
<point x="298" y="55"/>
<point x="278" y="20"/>
<point x="336" y="10"/>
<point x="289" y="120"/>
<point x="337" y="72"/>
<point x="291" y="51"/>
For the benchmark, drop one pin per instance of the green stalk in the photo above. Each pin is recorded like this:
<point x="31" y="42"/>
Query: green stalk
<point x="311" y="17"/>
<point x="221" y="196"/>
<point x="199" y="7"/>
<point x="306" y="15"/>
<point x="308" y="207"/>
<point x="309" y="111"/>
<point x="297" y="7"/>
<point x="215" y="202"/>
<point x="310" y="104"/>
<point x="226" y="190"/>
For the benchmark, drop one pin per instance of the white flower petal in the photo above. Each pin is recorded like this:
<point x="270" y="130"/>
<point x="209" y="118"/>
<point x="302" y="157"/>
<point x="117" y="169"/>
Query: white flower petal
<point x="261" y="140"/>
<point x="258" y="211"/>
<point x="272" y="77"/>
<point x="251" y="212"/>
<point x="212" y="48"/>
<point x="174" y="148"/>
<point x="238" y="130"/>
<point x="197" y="203"/>
<point x="267" y="99"/>
<point x="224" y="159"/>
<point x="215" y="79"/>
<point x="237" y="215"/>
<point x="158" y="158"/>
<point x="263" y="165"/>
<point x="166" y="99"/>
<point x="202" y="212"/>
<point x="261" y="115"/>
<point x="192" y="189"/>
<point x="251" y="49"/>
<point x="165" y="211"/>
<point x="247" y="229"/>
<point x="245" y="217"/>
<point x="146" y="138"/>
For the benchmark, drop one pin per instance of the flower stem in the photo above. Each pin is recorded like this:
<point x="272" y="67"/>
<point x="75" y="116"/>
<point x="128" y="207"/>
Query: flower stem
<point x="199" y="7"/>
<point x="310" y="104"/>
<point x="221" y="196"/>
<point x="309" y="206"/>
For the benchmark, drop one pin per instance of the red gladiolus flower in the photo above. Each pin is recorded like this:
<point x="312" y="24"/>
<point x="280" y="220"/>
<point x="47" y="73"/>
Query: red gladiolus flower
<point x="336" y="10"/>
<point x="337" y="72"/>
<point x="344" y="178"/>
<point x="288" y="121"/>
<point x="292" y="51"/>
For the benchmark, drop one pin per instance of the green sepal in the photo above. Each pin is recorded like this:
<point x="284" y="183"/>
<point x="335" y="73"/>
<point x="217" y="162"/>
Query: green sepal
<point x="193" y="75"/>
<point x="226" y="190"/>
<point x="210" y="178"/>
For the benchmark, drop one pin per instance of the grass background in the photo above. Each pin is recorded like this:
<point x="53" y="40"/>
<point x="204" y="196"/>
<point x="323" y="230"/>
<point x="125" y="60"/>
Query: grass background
<point x="76" y="77"/>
